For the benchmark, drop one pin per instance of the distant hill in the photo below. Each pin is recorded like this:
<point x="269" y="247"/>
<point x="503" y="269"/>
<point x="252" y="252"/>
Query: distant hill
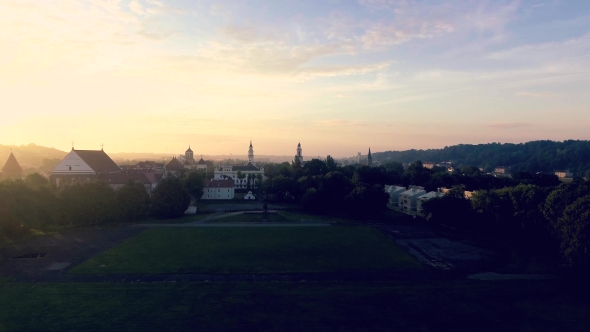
<point x="29" y="156"/>
<point x="535" y="156"/>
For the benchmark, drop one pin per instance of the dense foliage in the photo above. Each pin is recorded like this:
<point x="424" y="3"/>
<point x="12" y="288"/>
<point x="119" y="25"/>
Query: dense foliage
<point x="532" y="217"/>
<point x="33" y="204"/>
<point x="533" y="157"/>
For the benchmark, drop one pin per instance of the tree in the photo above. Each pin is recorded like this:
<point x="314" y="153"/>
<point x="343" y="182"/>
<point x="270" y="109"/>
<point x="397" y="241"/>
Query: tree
<point x="169" y="199"/>
<point x="330" y="163"/>
<point x="296" y="164"/>
<point x="89" y="204"/>
<point x="315" y="167"/>
<point x="451" y="209"/>
<point x="366" y="200"/>
<point x="311" y="201"/>
<point x="36" y="180"/>
<point x="194" y="183"/>
<point x="560" y="198"/>
<point x="574" y="231"/>
<point x="132" y="201"/>
<point x="416" y="174"/>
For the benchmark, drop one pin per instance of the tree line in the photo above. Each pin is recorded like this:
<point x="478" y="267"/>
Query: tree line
<point x="537" y="156"/>
<point x="33" y="203"/>
<point x="536" y="219"/>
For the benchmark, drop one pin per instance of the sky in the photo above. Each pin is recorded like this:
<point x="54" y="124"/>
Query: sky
<point x="338" y="76"/>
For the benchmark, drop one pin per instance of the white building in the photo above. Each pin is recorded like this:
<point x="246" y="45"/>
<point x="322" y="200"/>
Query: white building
<point x="218" y="189"/>
<point x="249" y="196"/>
<point x="394" y="192"/>
<point x="564" y="174"/>
<point x="80" y="166"/>
<point x="423" y="198"/>
<point x="231" y="172"/>
<point x="407" y="199"/>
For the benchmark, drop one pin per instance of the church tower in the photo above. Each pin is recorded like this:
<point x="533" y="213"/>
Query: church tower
<point x="251" y="155"/>
<point x="369" y="158"/>
<point x="188" y="155"/>
<point x="299" y="153"/>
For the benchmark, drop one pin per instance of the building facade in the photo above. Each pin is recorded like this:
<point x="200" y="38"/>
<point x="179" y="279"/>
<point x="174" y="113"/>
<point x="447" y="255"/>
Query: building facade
<point x="407" y="199"/>
<point x="81" y="166"/>
<point x="218" y="189"/>
<point x="394" y="192"/>
<point x="241" y="174"/>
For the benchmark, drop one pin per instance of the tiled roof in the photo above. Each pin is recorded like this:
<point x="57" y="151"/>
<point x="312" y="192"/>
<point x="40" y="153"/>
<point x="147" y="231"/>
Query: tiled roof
<point x="219" y="184"/>
<point x="189" y="149"/>
<point x="174" y="165"/>
<point x="201" y="162"/>
<point x="248" y="167"/>
<point x="11" y="165"/>
<point x="99" y="161"/>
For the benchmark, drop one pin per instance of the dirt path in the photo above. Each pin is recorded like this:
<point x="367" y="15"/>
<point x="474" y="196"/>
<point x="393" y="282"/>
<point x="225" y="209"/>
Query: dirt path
<point x="62" y="251"/>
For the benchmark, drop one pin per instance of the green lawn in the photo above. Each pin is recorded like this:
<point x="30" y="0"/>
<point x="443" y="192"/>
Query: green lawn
<point x="182" y="220"/>
<point x="390" y="306"/>
<point x="252" y="250"/>
<point x="254" y="217"/>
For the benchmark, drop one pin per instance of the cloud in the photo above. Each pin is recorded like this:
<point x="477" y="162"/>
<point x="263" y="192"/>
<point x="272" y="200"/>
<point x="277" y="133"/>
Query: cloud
<point x="334" y="71"/>
<point x="573" y="47"/>
<point x="136" y="8"/>
<point x="507" y="125"/>
<point x="340" y="123"/>
<point x="383" y="34"/>
<point x="544" y="95"/>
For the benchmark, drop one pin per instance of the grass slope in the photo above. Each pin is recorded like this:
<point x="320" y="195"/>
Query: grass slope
<point x="408" y="306"/>
<point x="252" y="250"/>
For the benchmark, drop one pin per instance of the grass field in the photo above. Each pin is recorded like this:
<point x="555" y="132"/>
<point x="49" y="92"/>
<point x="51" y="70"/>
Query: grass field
<point x="254" y="217"/>
<point x="182" y="220"/>
<point x="252" y="250"/>
<point x="392" y="306"/>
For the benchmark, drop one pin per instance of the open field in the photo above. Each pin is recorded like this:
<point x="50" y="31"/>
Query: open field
<point x="253" y="251"/>
<point x="184" y="219"/>
<point x="390" y="306"/>
<point x="254" y="217"/>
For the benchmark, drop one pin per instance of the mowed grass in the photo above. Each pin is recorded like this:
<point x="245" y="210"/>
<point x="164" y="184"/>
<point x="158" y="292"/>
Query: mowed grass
<point x="253" y="251"/>
<point x="388" y="306"/>
<point x="253" y="218"/>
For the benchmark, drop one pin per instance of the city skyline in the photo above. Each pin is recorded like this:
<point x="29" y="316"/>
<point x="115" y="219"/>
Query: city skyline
<point x="338" y="76"/>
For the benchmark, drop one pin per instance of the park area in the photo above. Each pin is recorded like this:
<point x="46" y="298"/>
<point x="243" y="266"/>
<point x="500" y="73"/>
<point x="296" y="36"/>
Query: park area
<point x="253" y="251"/>
<point x="300" y="272"/>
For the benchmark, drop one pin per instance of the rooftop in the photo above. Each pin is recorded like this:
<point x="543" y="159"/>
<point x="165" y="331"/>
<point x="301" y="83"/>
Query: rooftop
<point x="98" y="160"/>
<point x="11" y="165"/>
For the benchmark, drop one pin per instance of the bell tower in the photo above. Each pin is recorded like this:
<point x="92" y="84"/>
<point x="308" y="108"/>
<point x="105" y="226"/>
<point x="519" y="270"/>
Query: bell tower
<point x="299" y="153"/>
<point x="188" y="155"/>
<point x="251" y="154"/>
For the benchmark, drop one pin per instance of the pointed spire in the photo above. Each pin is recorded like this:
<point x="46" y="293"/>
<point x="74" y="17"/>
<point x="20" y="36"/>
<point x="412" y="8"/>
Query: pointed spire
<point x="11" y="164"/>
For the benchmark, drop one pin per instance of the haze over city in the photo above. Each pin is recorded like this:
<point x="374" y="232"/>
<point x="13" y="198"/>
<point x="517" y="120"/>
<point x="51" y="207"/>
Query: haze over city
<point x="338" y="76"/>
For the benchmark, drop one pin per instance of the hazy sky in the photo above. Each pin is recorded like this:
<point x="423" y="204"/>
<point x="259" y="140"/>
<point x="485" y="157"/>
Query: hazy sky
<point x="339" y="76"/>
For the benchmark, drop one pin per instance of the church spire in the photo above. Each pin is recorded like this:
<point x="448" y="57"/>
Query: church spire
<point x="369" y="158"/>
<point x="251" y="154"/>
